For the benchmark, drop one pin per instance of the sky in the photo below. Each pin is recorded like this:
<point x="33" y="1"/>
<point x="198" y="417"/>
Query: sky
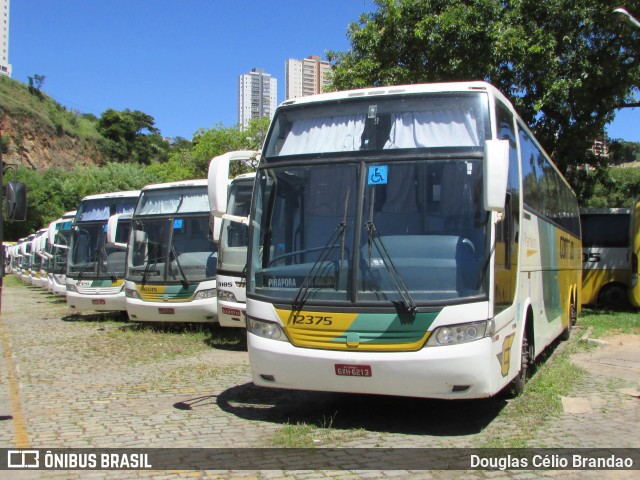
<point x="179" y="60"/>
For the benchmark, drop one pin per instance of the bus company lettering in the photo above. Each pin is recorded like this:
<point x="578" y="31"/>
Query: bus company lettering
<point x="285" y="282"/>
<point x="566" y="248"/>
<point x="145" y="289"/>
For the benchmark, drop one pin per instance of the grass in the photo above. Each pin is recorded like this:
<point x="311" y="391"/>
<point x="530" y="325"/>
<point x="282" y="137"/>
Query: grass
<point x="541" y="400"/>
<point x="305" y="435"/>
<point x="22" y="104"/>
<point x="608" y="322"/>
<point x="520" y="420"/>
<point x="12" y="281"/>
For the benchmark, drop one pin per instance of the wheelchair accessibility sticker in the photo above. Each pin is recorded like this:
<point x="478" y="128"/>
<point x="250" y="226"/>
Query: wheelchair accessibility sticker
<point x="378" y="174"/>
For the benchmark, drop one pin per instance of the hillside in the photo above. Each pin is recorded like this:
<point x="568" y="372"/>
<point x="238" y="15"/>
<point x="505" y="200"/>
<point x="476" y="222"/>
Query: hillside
<point x="40" y="133"/>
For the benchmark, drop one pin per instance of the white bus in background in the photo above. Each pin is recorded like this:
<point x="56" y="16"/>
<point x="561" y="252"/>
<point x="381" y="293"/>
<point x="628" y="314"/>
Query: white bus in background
<point x="95" y="269"/>
<point x="25" y="261"/>
<point x="634" y="253"/>
<point x="606" y="266"/>
<point x="39" y="259"/>
<point x="171" y="261"/>
<point x="407" y="240"/>
<point x="16" y="257"/>
<point x="58" y="249"/>
<point x="232" y="236"/>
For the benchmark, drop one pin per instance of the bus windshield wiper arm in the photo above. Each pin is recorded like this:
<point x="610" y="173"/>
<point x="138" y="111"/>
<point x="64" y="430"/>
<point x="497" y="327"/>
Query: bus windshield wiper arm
<point x="401" y="287"/>
<point x="107" y="262"/>
<point x="185" y="281"/>
<point x="298" y="301"/>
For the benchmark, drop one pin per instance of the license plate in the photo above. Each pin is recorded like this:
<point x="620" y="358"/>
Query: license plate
<point x="231" y="311"/>
<point x="346" y="370"/>
<point x="98" y="301"/>
<point x="166" y="311"/>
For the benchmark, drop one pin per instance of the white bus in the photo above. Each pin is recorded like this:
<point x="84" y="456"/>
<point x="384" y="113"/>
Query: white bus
<point x="171" y="261"/>
<point x="408" y="240"/>
<point x="634" y="253"/>
<point x="95" y="269"/>
<point x="606" y="266"/>
<point x="58" y="249"/>
<point x="24" y="271"/>
<point x="39" y="259"/>
<point x="232" y="236"/>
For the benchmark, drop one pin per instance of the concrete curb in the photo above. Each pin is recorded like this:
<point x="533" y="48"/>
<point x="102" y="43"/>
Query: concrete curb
<point x="592" y="341"/>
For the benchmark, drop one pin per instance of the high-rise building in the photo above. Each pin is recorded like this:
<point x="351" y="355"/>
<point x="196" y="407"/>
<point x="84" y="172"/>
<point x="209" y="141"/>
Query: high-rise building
<point x="257" y="96"/>
<point x="305" y="77"/>
<point x="5" y="66"/>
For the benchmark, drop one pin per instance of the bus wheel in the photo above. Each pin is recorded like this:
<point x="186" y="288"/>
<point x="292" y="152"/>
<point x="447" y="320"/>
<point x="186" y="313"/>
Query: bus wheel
<point x="613" y="296"/>
<point x="573" y="315"/>
<point x="516" y="387"/>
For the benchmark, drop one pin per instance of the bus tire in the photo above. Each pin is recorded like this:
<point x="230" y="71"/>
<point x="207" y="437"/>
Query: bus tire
<point x="573" y="315"/>
<point x="613" y="296"/>
<point x="516" y="387"/>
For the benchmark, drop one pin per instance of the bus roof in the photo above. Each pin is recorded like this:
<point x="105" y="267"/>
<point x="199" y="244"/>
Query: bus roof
<point x="400" y="90"/>
<point x="181" y="184"/>
<point x="125" y="194"/>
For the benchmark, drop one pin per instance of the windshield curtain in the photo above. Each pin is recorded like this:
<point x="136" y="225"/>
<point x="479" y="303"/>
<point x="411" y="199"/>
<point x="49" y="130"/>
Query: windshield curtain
<point x="171" y="249"/>
<point x="366" y="124"/>
<point x="175" y="200"/>
<point x="234" y="237"/>
<point x="421" y="229"/>
<point x="100" y="209"/>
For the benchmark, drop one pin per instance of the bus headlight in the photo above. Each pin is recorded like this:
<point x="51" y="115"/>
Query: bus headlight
<point x="132" y="293"/>
<point x="265" y="329"/>
<point x="204" y="294"/>
<point x="226" y="296"/>
<point x="461" y="333"/>
<point x="71" y="288"/>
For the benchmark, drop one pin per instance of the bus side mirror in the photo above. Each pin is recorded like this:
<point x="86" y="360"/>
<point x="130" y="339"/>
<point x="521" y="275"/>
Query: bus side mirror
<point x="16" y="195"/>
<point x="495" y="174"/>
<point x="218" y="186"/>
<point x="118" y="221"/>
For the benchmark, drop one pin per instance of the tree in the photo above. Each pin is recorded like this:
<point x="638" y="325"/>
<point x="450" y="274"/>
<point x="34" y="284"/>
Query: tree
<point x="35" y="84"/>
<point x="566" y="65"/>
<point x="131" y="136"/>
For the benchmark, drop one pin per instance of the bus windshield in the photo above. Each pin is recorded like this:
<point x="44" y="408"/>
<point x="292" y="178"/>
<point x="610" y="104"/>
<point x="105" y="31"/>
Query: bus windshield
<point x="170" y="240"/>
<point x="410" y="232"/>
<point x="92" y="256"/>
<point x="232" y="257"/>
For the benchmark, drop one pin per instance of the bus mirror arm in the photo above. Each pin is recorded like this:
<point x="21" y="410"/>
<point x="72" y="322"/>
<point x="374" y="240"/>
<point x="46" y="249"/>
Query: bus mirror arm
<point x="236" y="219"/>
<point x="495" y="174"/>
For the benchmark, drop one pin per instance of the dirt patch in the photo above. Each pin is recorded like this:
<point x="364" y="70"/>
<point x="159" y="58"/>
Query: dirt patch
<point x="618" y="357"/>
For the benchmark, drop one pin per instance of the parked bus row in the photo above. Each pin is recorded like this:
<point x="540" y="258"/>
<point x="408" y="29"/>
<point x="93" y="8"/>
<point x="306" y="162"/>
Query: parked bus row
<point x="411" y="240"/>
<point x="148" y="253"/>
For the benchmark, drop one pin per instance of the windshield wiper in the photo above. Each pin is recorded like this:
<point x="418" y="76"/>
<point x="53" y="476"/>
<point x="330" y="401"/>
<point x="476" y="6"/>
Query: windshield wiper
<point x="338" y="232"/>
<point x="401" y="287"/>
<point x="103" y="252"/>
<point x="298" y="301"/>
<point x="184" y="281"/>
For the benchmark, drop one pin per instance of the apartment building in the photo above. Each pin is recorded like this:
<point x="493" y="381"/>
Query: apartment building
<point x="257" y="96"/>
<point x="305" y="77"/>
<point x="5" y="66"/>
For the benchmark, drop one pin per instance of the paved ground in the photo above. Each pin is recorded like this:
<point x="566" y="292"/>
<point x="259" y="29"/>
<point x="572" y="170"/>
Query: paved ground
<point x="65" y="384"/>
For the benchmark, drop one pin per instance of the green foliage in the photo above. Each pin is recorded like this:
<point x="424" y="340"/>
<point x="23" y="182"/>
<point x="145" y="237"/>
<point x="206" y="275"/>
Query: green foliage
<point x="52" y="192"/>
<point x="566" y="65"/>
<point x="623" y="152"/>
<point x="216" y="141"/>
<point x="131" y="136"/>
<point x="46" y="114"/>
<point x="616" y="188"/>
